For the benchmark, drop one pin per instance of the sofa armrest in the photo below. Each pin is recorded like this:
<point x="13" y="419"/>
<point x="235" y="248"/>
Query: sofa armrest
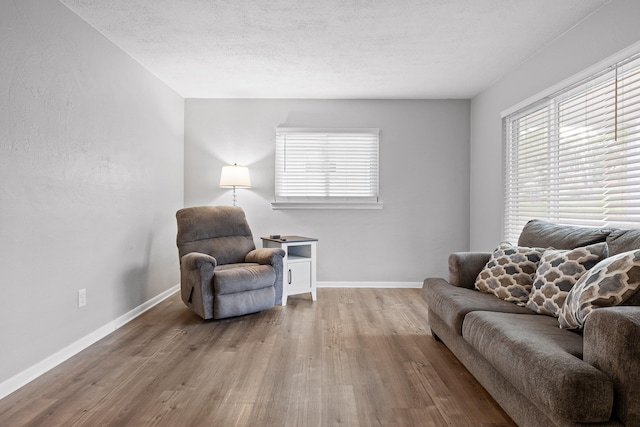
<point x="196" y="283"/>
<point x="273" y="257"/>
<point x="464" y="267"/>
<point x="612" y="344"/>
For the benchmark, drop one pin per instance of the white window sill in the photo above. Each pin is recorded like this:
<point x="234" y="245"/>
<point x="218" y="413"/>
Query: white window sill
<point x="326" y="205"/>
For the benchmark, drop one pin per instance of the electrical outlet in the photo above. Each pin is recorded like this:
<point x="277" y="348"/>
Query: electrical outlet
<point x="82" y="298"/>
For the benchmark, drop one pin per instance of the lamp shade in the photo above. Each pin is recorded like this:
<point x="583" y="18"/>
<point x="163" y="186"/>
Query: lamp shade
<point x="235" y="176"/>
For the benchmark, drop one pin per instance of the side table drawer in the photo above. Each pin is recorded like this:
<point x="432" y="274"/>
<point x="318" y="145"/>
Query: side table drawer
<point x="299" y="275"/>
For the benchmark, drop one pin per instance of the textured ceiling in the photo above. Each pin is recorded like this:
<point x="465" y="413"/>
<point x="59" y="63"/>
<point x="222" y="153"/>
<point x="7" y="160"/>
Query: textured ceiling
<point x="331" y="48"/>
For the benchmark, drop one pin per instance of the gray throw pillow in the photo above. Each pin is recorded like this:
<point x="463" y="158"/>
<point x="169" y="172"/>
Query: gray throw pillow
<point x="613" y="281"/>
<point x="558" y="272"/>
<point x="509" y="272"/>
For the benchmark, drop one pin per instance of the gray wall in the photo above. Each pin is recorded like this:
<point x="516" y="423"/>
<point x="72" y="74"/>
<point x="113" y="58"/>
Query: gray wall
<point x="424" y="180"/>
<point x="611" y="29"/>
<point x="91" y="174"/>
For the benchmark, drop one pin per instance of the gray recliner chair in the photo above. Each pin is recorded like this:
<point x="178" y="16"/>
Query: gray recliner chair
<point x="222" y="274"/>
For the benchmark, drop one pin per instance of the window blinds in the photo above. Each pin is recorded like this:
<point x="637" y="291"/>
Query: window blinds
<point x="574" y="157"/>
<point x="326" y="165"/>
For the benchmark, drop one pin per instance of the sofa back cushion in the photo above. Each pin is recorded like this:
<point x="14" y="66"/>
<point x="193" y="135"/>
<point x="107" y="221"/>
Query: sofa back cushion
<point x="623" y="240"/>
<point x="542" y="234"/>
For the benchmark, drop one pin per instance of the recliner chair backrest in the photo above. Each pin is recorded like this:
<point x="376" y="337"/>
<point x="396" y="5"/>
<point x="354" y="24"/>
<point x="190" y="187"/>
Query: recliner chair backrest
<point x="219" y="231"/>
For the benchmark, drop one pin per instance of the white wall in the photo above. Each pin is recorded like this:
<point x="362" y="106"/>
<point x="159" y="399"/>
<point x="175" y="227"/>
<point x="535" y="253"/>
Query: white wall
<point x="609" y="30"/>
<point x="91" y="174"/>
<point x="424" y="181"/>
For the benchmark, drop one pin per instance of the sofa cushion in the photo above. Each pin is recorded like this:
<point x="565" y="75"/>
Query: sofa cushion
<point x="623" y="240"/>
<point x="613" y="281"/>
<point x="452" y="303"/>
<point x="557" y="272"/>
<point x="543" y="362"/>
<point x="242" y="277"/>
<point x="509" y="272"/>
<point x="538" y="233"/>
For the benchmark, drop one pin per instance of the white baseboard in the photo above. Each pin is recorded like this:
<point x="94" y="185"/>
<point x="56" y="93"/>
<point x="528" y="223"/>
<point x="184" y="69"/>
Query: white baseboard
<point x="381" y="285"/>
<point x="12" y="384"/>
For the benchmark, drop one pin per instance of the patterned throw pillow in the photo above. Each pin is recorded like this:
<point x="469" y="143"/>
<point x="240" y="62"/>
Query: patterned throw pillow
<point x="509" y="272"/>
<point x="557" y="272"/>
<point x="611" y="282"/>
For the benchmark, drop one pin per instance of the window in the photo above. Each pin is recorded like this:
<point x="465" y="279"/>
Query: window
<point x="326" y="168"/>
<point x="574" y="157"/>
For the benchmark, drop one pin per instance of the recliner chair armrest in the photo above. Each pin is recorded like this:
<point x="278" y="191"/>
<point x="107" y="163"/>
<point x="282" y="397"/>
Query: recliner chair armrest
<point x="273" y="257"/>
<point x="196" y="283"/>
<point x="195" y="260"/>
<point x="464" y="267"/>
<point x="264" y="256"/>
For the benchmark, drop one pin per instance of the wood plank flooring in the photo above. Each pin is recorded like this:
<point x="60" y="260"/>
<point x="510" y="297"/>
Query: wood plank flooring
<point x="355" y="357"/>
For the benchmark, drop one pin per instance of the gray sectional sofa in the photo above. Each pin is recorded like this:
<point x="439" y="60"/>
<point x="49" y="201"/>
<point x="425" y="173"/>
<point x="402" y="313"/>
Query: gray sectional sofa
<point x="540" y="374"/>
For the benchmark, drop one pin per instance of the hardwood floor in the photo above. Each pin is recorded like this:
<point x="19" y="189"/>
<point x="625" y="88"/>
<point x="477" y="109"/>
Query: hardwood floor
<point x="355" y="357"/>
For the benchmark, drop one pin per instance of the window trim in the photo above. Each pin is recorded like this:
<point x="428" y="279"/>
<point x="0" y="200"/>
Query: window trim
<point x="325" y="205"/>
<point x="574" y="79"/>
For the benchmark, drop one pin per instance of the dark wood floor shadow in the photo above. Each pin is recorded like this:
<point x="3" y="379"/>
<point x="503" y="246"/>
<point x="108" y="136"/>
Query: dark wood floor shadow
<point x="355" y="357"/>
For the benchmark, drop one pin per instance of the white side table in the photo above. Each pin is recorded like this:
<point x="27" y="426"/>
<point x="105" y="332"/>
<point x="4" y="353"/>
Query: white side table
<point x="298" y="265"/>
